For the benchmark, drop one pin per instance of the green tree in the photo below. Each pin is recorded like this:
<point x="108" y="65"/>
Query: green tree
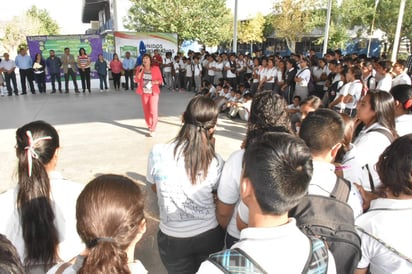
<point x="206" y="21"/>
<point x="35" y="22"/>
<point x="252" y="30"/>
<point x="387" y="13"/>
<point x="291" y="20"/>
<point x="48" y="26"/>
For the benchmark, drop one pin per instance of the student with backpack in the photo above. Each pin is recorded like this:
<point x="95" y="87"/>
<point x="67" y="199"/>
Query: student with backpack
<point x="375" y="132"/>
<point x="277" y="171"/>
<point x="385" y="228"/>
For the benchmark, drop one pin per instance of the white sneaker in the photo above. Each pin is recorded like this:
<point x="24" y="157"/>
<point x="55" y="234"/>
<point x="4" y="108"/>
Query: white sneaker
<point x="101" y="90"/>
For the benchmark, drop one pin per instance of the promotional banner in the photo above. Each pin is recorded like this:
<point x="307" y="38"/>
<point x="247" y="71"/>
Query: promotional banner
<point x="43" y="44"/>
<point x="136" y="42"/>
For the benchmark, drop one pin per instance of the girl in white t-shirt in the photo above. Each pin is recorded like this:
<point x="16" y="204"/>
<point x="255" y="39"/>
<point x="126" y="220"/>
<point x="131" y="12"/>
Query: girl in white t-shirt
<point x="185" y="174"/>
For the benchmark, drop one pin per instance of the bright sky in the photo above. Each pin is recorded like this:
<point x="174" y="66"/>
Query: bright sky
<point x="68" y="14"/>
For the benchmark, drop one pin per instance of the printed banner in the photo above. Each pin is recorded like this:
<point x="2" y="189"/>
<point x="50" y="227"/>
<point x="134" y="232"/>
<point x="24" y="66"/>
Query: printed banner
<point x="135" y="42"/>
<point x="43" y="44"/>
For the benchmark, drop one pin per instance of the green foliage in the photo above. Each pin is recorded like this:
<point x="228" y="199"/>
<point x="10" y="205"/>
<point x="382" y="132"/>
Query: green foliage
<point x="35" y="22"/>
<point x="252" y="30"/>
<point x="207" y="21"/>
<point x="291" y="19"/>
<point x="48" y="26"/>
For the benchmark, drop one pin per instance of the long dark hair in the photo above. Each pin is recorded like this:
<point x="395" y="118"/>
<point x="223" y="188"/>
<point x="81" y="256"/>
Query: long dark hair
<point x="36" y="146"/>
<point x="109" y="214"/>
<point x="194" y="139"/>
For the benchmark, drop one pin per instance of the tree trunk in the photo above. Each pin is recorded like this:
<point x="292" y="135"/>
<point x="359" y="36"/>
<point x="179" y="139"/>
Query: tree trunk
<point x="291" y="44"/>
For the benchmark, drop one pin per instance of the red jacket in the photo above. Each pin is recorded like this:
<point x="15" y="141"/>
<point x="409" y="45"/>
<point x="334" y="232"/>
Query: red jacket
<point x="156" y="76"/>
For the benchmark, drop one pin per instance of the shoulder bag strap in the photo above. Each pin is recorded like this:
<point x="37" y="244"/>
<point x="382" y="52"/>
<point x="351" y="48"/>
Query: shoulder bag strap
<point x="63" y="267"/>
<point x="341" y="190"/>
<point x="235" y="258"/>
<point x="318" y="257"/>
<point x="385" y="244"/>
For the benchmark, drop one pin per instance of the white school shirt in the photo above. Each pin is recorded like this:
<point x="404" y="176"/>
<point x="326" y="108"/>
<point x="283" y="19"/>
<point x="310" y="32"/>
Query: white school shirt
<point x="369" y="146"/>
<point x="271" y="73"/>
<point x="176" y="66"/>
<point x="167" y="61"/>
<point x="63" y="194"/>
<point x="404" y="124"/>
<point x="197" y="69"/>
<point x="392" y="225"/>
<point x="401" y="79"/>
<point x="189" y="72"/>
<point x="229" y="184"/>
<point x="281" y="249"/>
<point x="229" y="74"/>
<point x="135" y="268"/>
<point x="385" y="83"/>
<point x="186" y="209"/>
<point x="210" y="71"/>
<point x="355" y="89"/>
<point x="343" y="91"/>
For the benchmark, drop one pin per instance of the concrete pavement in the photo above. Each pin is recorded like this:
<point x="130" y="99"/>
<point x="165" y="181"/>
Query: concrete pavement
<point x="105" y="133"/>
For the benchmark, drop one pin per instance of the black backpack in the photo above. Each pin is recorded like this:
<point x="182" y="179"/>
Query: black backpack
<point x="331" y="219"/>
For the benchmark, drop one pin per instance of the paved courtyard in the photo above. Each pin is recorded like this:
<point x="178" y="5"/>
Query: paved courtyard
<point x="105" y="133"/>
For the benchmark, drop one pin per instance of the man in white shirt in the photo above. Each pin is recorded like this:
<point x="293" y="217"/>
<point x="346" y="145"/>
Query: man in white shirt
<point x="401" y="77"/>
<point x="7" y="66"/>
<point x="276" y="174"/>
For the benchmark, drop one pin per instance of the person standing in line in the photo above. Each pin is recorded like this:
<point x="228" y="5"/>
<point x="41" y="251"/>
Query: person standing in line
<point x="83" y="61"/>
<point x="149" y="79"/>
<point x="53" y="64"/>
<point x="39" y="70"/>
<point x="116" y="67"/>
<point x="101" y="67"/>
<point x="128" y="67"/>
<point x="69" y="69"/>
<point x="157" y="59"/>
<point x="25" y="65"/>
<point x="7" y="66"/>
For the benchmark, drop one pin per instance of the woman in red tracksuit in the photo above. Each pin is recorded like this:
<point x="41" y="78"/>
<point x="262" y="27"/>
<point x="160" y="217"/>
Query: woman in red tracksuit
<point x="149" y="79"/>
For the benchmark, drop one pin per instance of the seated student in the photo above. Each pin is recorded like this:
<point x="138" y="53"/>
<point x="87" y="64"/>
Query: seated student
<point x="110" y="221"/>
<point x="277" y="171"/>
<point x="43" y="201"/>
<point x="9" y="259"/>
<point x="323" y="132"/>
<point x="385" y="228"/>
<point x="242" y="107"/>
<point x="223" y="97"/>
<point x="402" y="94"/>
<point x="295" y="106"/>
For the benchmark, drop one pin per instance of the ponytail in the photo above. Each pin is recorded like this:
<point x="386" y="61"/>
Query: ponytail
<point x="36" y="145"/>
<point x="105" y="256"/>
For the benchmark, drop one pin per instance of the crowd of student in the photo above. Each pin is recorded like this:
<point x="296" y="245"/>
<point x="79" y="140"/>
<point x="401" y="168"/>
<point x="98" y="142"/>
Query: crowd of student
<point x="311" y="190"/>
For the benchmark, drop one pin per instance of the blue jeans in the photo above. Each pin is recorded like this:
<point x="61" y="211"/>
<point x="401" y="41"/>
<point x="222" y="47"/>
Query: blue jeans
<point x="103" y="80"/>
<point x="184" y="255"/>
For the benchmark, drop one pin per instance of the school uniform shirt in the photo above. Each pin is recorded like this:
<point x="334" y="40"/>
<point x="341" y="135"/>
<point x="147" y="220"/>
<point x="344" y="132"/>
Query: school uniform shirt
<point x="271" y="74"/>
<point x="229" y="185"/>
<point x="401" y="79"/>
<point x="135" y="268"/>
<point x="385" y="83"/>
<point x="389" y="220"/>
<point x="210" y="71"/>
<point x="186" y="209"/>
<point x="351" y="169"/>
<point x="404" y="124"/>
<point x="167" y="61"/>
<point x="197" y="70"/>
<point x="355" y="89"/>
<point x="343" y="91"/>
<point x="369" y="146"/>
<point x="63" y="194"/>
<point x="281" y="249"/>
<point x="189" y="70"/>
